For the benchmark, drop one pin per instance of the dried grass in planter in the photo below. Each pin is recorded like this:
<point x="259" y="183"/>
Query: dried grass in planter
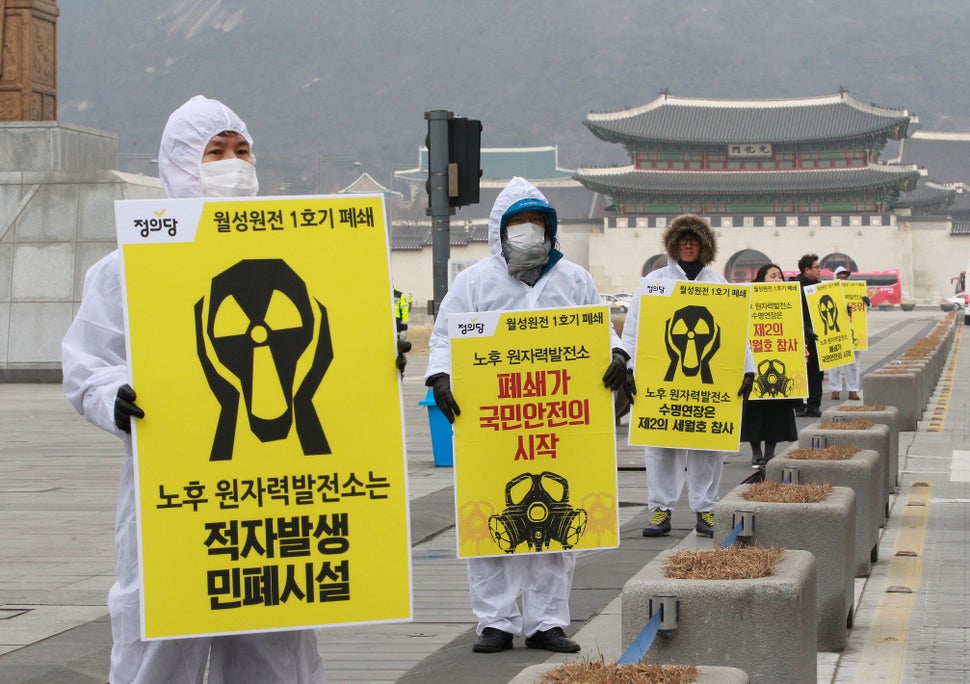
<point x="893" y="371"/>
<point x="593" y="672"/>
<point x="863" y="407"/>
<point x="857" y="424"/>
<point x="832" y="453"/>
<point x="749" y="562"/>
<point x="779" y="492"/>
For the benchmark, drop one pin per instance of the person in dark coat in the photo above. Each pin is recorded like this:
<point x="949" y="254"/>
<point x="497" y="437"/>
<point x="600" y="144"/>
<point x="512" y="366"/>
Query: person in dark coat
<point x="809" y="273"/>
<point x="767" y="420"/>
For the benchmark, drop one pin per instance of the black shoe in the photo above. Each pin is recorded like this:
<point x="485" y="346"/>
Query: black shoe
<point x="800" y="412"/>
<point x="659" y="524"/>
<point x="705" y="524"/>
<point x="759" y="464"/>
<point x="492" y="641"/>
<point x="552" y="640"/>
<point x="813" y="413"/>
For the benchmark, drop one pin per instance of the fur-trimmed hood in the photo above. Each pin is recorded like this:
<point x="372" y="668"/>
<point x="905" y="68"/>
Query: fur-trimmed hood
<point x="688" y="224"/>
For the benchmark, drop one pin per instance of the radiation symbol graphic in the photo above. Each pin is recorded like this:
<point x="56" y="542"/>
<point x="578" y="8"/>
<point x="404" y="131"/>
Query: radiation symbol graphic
<point x="261" y="320"/>
<point x="692" y="337"/>
<point x="829" y="313"/>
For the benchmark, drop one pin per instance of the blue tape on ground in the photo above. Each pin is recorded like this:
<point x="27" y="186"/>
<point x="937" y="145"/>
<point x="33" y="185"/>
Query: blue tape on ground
<point x="733" y="537"/>
<point x="643" y="641"/>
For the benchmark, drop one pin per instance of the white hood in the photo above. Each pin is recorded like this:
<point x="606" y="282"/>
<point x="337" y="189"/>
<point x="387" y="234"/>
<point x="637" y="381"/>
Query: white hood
<point x="517" y="189"/>
<point x="188" y="131"/>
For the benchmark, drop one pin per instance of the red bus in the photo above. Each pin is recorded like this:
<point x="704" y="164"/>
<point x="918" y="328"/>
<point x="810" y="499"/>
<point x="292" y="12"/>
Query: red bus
<point x="882" y="287"/>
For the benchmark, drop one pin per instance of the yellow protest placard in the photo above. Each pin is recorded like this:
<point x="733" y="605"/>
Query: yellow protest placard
<point x="535" y="464"/>
<point x="691" y="341"/>
<point x="854" y="291"/>
<point x="266" y="500"/>
<point x="777" y="337"/>
<point x="830" y="320"/>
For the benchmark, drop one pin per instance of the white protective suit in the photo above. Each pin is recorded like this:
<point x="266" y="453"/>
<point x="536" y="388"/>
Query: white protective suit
<point x="95" y="366"/>
<point x="665" y="466"/>
<point x="544" y="579"/>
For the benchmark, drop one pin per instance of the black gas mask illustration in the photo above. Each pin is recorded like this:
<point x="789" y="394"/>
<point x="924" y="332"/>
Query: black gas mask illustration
<point x="537" y="511"/>
<point x="692" y="337"/>
<point x="261" y="321"/>
<point x="829" y="313"/>
<point x="772" y="381"/>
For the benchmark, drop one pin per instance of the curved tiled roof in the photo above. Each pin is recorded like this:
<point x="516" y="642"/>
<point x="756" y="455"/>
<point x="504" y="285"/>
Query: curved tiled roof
<point x="683" y="120"/>
<point x="927" y="195"/>
<point x="627" y="179"/>
<point x="946" y="156"/>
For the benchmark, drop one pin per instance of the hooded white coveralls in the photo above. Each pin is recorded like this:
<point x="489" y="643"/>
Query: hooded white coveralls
<point x="544" y="579"/>
<point x="95" y="366"/>
<point x="665" y="466"/>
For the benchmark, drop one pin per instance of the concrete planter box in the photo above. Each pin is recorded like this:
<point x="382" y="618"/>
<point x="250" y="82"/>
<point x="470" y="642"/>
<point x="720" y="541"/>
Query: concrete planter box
<point x="861" y="473"/>
<point x="925" y="378"/>
<point x="705" y="674"/>
<point x="896" y="389"/>
<point x="824" y="528"/>
<point x="875" y="438"/>
<point x="764" y="626"/>
<point x="889" y="417"/>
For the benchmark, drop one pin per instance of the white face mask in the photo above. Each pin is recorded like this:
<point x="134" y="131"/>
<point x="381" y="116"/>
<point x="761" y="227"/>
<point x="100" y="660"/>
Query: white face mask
<point x="524" y="235"/>
<point x="229" y="178"/>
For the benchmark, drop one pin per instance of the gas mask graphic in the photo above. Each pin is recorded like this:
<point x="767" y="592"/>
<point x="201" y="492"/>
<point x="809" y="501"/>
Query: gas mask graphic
<point x="829" y="313"/>
<point x="692" y="338"/>
<point x="772" y="381"/>
<point x="537" y="511"/>
<point x="260" y="323"/>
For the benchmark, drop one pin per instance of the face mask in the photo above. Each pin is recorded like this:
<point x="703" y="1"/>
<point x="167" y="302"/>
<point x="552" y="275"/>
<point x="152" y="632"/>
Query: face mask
<point x="525" y="235"/>
<point x="229" y="178"/>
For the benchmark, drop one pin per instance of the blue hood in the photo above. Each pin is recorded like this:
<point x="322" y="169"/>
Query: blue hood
<point x="533" y="204"/>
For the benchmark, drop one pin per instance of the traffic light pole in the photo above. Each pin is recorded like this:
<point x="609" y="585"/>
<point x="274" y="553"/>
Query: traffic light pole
<point x="438" y="206"/>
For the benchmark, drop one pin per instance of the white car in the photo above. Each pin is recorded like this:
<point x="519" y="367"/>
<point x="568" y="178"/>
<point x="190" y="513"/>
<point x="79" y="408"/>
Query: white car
<point x="953" y="302"/>
<point x="624" y="298"/>
<point x="614" y="303"/>
<point x="961" y="300"/>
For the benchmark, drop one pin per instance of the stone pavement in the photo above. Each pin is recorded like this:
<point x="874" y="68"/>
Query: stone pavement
<point x="58" y="485"/>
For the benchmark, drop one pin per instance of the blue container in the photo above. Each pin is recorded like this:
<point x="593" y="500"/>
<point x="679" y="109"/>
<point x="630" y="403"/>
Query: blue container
<point x="441" y="432"/>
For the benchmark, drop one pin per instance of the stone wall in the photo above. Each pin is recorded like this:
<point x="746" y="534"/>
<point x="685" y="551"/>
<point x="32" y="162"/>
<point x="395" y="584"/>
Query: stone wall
<point x="57" y="192"/>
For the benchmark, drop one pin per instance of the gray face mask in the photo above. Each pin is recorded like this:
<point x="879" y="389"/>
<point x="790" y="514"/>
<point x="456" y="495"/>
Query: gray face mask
<point x="525" y="262"/>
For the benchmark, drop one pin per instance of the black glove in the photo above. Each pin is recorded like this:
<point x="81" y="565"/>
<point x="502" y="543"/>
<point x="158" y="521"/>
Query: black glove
<point x="866" y="301"/>
<point x="125" y="408"/>
<point x="403" y="347"/>
<point x="629" y="386"/>
<point x="617" y="377"/>
<point x="746" y="384"/>
<point x="811" y="336"/>
<point x="440" y="385"/>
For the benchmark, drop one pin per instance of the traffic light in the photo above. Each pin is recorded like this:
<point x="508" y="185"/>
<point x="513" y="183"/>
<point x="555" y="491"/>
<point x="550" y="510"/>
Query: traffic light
<point x="464" y="161"/>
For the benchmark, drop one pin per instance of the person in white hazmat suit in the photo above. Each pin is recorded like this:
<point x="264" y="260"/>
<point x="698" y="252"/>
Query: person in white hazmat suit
<point x="525" y="271"/>
<point x="849" y="373"/>
<point x="690" y="245"/>
<point x="205" y="152"/>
